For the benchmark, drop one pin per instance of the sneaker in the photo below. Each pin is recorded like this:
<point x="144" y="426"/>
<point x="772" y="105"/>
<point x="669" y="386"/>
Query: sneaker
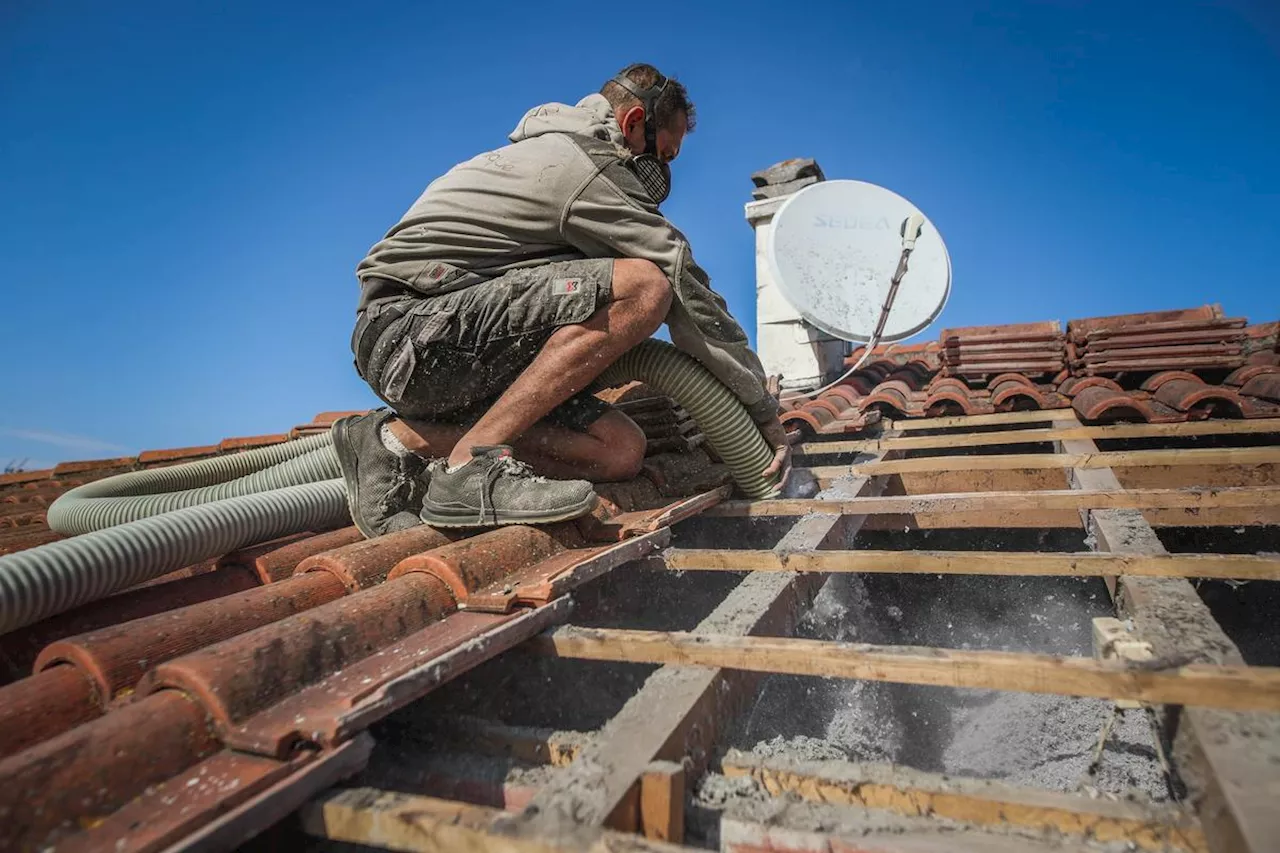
<point x="494" y="488"/>
<point x="384" y="485"/>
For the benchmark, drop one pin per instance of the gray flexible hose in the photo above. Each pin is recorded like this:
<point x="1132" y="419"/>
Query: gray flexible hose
<point x="138" y="526"/>
<point x="54" y="578"/>
<point x="729" y="429"/>
<point x="142" y="494"/>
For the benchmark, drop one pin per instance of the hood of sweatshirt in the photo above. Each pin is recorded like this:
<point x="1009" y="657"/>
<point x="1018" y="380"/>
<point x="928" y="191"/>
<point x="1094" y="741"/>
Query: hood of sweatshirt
<point x="592" y="116"/>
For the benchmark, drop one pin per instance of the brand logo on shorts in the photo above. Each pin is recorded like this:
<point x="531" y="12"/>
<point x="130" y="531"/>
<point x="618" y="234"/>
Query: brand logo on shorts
<point x="565" y="286"/>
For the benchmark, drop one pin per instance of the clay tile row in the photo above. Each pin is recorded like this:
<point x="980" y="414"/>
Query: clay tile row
<point x="1188" y="339"/>
<point x="1159" y="367"/>
<point x="1029" y="349"/>
<point x="274" y="648"/>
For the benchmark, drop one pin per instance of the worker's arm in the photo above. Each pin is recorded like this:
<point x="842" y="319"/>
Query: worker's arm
<point x="611" y="216"/>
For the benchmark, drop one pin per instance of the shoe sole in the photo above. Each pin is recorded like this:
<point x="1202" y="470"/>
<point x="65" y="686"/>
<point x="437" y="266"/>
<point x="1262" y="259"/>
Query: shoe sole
<point x="510" y="517"/>
<point x="349" y="461"/>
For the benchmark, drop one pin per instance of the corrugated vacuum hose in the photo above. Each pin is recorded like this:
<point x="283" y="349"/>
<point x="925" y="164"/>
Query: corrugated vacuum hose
<point x="134" y="527"/>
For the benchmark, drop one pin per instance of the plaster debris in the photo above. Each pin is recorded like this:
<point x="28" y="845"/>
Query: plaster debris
<point x="1027" y="739"/>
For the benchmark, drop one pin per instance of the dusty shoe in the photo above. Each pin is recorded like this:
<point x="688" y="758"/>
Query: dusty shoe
<point x="494" y="489"/>
<point x="385" y="481"/>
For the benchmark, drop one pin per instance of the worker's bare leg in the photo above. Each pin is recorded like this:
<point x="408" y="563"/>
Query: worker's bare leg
<point x="612" y="448"/>
<point x="573" y="356"/>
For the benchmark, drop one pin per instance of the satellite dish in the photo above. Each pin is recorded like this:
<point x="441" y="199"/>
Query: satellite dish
<point x="833" y="251"/>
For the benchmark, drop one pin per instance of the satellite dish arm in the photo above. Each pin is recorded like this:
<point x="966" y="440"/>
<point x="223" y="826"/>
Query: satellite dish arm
<point x="911" y="229"/>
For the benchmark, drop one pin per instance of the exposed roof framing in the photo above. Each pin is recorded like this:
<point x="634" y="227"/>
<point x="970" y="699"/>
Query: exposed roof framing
<point x="85" y="699"/>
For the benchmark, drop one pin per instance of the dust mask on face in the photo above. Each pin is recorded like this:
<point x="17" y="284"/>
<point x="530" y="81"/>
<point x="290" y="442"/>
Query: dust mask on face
<point x="653" y="173"/>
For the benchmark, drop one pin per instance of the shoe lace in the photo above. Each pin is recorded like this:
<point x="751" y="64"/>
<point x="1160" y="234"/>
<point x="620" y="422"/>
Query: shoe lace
<point x="505" y="465"/>
<point x="403" y="488"/>
<point x="516" y="468"/>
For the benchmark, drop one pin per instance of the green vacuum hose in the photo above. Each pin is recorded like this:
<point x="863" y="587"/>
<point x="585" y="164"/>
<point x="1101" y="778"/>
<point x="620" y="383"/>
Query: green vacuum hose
<point x="730" y="431"/>
<point x="134" y="527"/>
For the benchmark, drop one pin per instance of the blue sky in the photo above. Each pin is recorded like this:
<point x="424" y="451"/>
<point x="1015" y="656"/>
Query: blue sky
<point x="185" y="190"/>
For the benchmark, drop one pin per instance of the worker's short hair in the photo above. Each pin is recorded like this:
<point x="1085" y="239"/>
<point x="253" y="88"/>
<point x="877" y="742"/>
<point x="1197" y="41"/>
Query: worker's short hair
<point x="673" y="101"/>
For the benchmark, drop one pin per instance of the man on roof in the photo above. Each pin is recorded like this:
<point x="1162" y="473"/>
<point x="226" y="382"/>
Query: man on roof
<point x="509" y="286"/>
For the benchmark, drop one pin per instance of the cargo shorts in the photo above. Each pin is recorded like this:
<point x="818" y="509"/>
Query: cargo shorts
<point x="448" y="358"/>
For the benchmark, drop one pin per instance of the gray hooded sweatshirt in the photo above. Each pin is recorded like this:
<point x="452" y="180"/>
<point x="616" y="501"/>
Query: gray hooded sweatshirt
<point x="561" y="191"/>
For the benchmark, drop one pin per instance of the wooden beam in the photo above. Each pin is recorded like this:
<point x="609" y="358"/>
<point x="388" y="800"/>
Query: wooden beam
<point x="1229" y="761"/>
<point x="662" y="801"/>
<point x="625" y="816"/>
<point x="1201" y="476"/>
<point x="815" y="828"/>
<point x="1091" y="479"/>
<point x="970" y="421"/>
<point x="976" y="802"/>
<point x="1033" y="563"/>
<point x="942" y="482"/>
<point x="427" y="825"/>
<point x="1120" y="458"/>
<point x="1233" y="687"/>
<point x="1252" y="426"/>
<point x="1199" y="499"/>
<point x="1007" y="520"/>
<point x="678" y="713"/>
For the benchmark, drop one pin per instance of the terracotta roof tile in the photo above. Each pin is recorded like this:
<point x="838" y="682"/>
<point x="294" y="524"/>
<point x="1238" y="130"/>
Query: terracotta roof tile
<point x="69" y="781"/>
<point x="313" y="626"/>
<point x="1034" y="366"/>
<point x="165" y="813"/>
<point x="178" y="454"/>
<point x="21" y="538"/>
<point x="18" y="477"/>
<point x="1264" y="385"/>
<point x="178" y="574"/>
<point x="116" y="657"/>
<point x="23" y="517"/>
<point x="94" y="465"/>
<point x="250" y="441"/>
<point x="189" y="649"/>
<point x="327" y="418"/>
<point x="361" y="565"/>
<point x="234" y="680"/>
<point x="1271" y="358"/>
<point x="42" y="706"/>
<point x="19" y="649"/>
<point x="276" y="560"/>
<point x="1146" y="319"/>
<point x="1097" y="404"/>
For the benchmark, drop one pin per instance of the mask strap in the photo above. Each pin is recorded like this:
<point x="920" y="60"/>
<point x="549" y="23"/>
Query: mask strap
<point x="648" y="98"/>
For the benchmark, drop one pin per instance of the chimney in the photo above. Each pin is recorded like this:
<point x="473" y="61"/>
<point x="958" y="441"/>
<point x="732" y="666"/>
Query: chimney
<point x="804" y="356"/>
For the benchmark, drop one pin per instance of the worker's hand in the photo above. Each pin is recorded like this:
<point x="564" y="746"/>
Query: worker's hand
<point x="776" y="435"/>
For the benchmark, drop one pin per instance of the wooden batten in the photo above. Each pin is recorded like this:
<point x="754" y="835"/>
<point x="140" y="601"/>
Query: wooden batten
<point x="975" y="802"/>
<point x="1200" y="476"/>
<point x="679" y="712"/>
<point x="997" y="480"/>
<point x="1242" y="688"/>
<point x="908" y="425"/>
<point x="1226" y="756"/>
<point x="1017" y="501"/>
<point x="1025" y="564"/>
<point x="407" y="822"/>
<point x="624" y="787"/>
<point x="1215" y="456"/>
<point x="1260" y="426"/>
